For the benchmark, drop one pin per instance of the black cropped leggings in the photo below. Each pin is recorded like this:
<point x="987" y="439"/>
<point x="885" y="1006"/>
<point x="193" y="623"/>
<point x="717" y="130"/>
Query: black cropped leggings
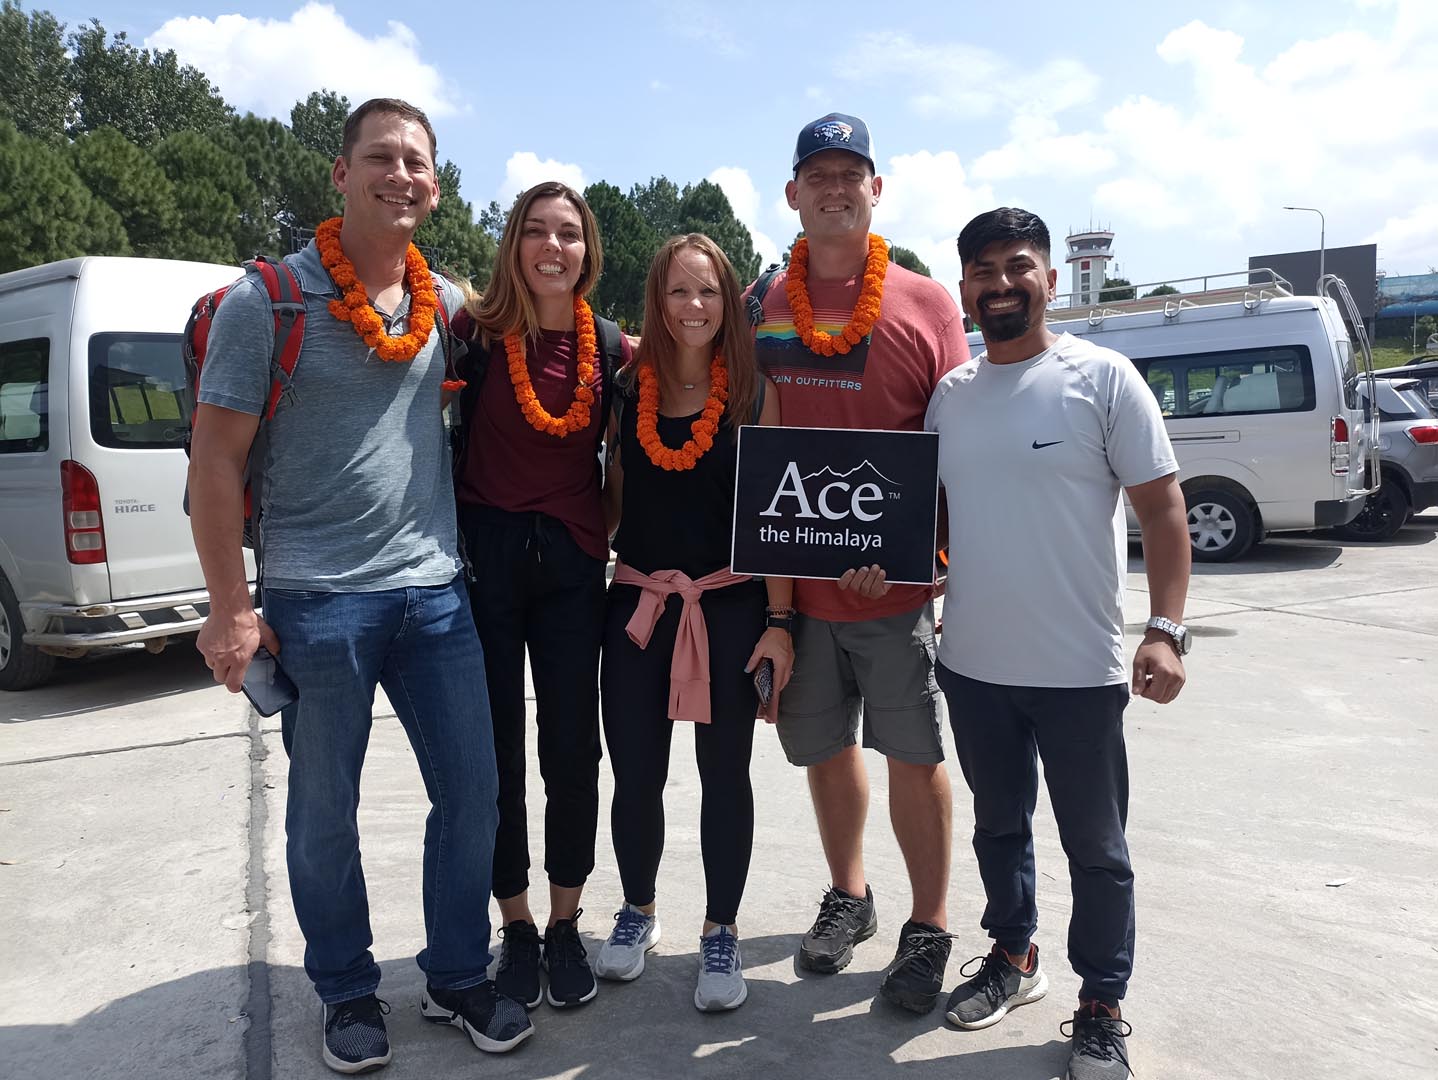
<point x="634" y="688"/>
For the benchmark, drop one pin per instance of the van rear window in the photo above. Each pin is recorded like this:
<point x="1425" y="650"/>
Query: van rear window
<point x="24" y="396"/>
<point x="139" y="398"/>
<point x="1240" y="381"/>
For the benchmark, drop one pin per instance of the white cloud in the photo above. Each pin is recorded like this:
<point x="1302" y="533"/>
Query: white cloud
<point x="266" y="65"/>
<point x="524" y="169"/>
<point x="926" y="199"/>
<point x="1409" y="244"/>
<point x="744" y="197"/>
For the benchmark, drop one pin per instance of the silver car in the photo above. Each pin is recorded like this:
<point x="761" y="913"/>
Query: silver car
<point x="1408" y="451"/>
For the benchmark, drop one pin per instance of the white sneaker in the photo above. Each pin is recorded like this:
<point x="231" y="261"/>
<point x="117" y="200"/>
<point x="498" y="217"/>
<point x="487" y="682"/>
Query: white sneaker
<point x="622" y="956"/>
<point x="721" y="972"/>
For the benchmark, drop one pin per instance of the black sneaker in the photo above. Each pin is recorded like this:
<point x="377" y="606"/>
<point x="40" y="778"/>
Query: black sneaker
<point x="494" y="1023"/>
<point x="355" y="1040"/>
<point x="998" y="986"/>
<point x="570" y="980"/>
<point x="843" y="922"/>
<point x="518" y="976"/>
<point x="1099" y="1051"/>
<point x="916" y="976"/>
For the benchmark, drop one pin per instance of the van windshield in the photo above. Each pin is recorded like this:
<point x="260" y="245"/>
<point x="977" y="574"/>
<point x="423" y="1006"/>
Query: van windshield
<point x="139" y="398"/>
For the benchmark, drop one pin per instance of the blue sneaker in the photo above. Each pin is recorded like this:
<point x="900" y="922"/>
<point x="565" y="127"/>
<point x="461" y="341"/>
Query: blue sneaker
<point x="721" y="972"/>
<point x="622" y="956"/>
<point x="355" y="1039"/>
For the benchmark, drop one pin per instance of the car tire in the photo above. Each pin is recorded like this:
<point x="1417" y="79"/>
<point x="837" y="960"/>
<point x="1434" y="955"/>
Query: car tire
<point x="1384" y="513"/>
<point x="1221" y="526"/>
<point x="21" y="666"/>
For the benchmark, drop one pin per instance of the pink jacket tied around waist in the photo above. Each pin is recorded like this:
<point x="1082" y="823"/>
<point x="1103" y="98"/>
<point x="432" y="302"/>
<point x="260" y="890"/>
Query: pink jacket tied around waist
<point x="689" y="670"/>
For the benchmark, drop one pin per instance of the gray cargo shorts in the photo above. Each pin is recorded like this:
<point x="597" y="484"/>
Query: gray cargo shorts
<point x="885" y="666"/>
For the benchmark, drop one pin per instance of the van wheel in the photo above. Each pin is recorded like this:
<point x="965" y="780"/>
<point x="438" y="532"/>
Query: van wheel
<point x="21" y="666"/>
<point x="1221" y="527"/>
<point x="1383" y="514"/>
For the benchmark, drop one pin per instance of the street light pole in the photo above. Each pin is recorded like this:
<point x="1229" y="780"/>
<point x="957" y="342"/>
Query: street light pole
<point x="1321" y="227"/>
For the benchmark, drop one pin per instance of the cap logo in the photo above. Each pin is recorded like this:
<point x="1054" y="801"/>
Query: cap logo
<point x="833" y="131"/>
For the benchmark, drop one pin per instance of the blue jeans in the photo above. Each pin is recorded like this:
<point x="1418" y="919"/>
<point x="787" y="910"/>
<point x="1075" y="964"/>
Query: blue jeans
<point x="420" y="645"/>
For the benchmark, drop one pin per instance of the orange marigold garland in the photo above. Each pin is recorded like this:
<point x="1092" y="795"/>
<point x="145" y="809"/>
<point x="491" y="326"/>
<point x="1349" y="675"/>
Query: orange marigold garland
<point x="866" y="309"/>
<point x="577" y="417"/>
<point x="704" y="429"/>
<point x="355" y="307"/>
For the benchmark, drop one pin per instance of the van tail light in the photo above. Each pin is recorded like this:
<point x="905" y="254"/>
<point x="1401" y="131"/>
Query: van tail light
<point x="80" y="499"/>
<point x="1423" y="434"/>
<point x="1338" y="446"/>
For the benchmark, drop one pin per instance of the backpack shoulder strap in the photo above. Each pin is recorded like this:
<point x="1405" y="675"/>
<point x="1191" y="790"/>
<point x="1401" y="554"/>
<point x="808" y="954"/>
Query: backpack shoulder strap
<point x="611" y="344"/>
<point x="287" y="301"/>
<point x="755" y="301"/>
<point x="759" y="398"/>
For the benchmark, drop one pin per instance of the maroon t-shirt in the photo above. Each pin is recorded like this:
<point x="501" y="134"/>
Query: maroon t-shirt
<point x="511" y="466"/>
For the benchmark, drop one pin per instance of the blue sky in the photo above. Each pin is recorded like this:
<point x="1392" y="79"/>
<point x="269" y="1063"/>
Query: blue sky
<point x="1182" y="127"/>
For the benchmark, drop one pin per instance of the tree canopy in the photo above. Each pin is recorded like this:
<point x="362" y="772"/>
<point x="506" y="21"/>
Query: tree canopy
<point x="1116" y="288"/>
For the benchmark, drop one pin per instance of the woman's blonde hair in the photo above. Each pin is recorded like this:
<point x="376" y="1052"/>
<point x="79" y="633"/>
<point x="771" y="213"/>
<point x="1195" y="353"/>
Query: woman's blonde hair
<point x="506" y="306"/>
<point x="735" y="339"/>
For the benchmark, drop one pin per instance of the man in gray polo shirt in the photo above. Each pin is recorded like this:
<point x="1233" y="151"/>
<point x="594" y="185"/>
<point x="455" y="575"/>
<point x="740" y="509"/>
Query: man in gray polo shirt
<point x="1036" y="439"/>
<point x="361" y="585"/>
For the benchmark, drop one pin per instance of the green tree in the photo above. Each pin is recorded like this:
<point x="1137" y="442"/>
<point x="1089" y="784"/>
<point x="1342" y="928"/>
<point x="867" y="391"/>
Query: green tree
<point x="1161" y="290"/>
<point x="46" y="212"/>
<point x="1116" y="289"/>
<point x="1425" y="328"/>
<point x="704" y="208"/>
<point x="293" y="181"/>
<point x="34" y="73"/>
<point x="146" y="95"/>
<point x="658" y="204"/>
<point x="908" y="260"/>
<point x="222" y="214"/>
<point x="318" y="122"/>
<point x="629" y="246"/>
<point x="492" y="219"/>
<point x="129" y="181"/>
<point x="459" y="246"/>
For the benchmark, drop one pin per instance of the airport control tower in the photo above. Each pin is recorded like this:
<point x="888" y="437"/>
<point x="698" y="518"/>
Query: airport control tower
<point x="1089" y="254"/>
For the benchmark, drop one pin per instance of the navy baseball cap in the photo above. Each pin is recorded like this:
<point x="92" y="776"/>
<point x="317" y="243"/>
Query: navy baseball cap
<point x="836" y="131"/>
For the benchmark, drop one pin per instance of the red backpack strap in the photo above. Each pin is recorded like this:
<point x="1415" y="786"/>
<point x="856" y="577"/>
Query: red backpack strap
<point x="288" y="303"/>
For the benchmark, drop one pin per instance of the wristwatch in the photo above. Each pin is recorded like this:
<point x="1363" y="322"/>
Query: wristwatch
<point x="1182" y="639"/>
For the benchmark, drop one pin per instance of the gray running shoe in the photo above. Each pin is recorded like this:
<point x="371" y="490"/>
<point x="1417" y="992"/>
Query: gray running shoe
<point x="997" y="987"/>
<point x="622" y="956"/>
<point x="355" y="1039"/>
<point x="721" y="972"/>
<point x="843" y="922"/>
<point x="1099" y="1050"/>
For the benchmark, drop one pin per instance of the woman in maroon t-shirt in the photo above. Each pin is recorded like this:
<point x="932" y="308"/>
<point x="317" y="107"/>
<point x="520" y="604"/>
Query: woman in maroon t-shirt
<point x="533" y="530"/>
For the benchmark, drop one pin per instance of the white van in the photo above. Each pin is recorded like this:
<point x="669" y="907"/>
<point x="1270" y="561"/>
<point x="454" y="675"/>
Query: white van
<point x="1259" y="391"/>
<point x="95" y="547"/>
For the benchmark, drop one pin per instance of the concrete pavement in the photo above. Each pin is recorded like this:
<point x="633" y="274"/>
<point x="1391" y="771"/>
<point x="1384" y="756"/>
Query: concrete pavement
<point x="1281" y="825"/>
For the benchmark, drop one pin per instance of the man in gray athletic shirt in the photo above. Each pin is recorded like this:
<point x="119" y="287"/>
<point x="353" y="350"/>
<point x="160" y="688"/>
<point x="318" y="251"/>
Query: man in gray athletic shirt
<point x="361" y="587"/>
<point x="1036" y="439"/>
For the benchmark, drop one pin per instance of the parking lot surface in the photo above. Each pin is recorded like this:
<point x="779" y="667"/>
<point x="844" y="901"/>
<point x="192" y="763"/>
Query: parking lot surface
<point x="1282" y="826"/>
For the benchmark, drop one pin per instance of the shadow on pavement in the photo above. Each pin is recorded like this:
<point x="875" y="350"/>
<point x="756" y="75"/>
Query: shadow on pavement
<point x="820" y="1026"/>
<point x="116" y="678"/>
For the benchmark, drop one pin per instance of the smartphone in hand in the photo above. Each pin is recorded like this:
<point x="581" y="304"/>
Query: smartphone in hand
<point x="266" y="684"/>
<point x="764" y="681"/>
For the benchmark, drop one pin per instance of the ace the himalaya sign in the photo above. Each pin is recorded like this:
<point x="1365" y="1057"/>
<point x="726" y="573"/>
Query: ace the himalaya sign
<point x="815" y="502"/>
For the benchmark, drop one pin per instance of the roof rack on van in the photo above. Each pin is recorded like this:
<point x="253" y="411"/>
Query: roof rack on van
<point x="1258" y="284"/>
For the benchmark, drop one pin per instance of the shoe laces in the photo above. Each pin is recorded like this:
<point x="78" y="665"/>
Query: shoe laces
<point x="366" y="1010"/>
<point x="562" y="944"/>
<point x="921" y="946"/>
<point x="990" y="976"/>
<point x="521" y="946"/>
<point x="1097" y="1035"/>
<point x="629" y="926"/>
<point x="835" y="909"/>
<point x="720" y="952"/>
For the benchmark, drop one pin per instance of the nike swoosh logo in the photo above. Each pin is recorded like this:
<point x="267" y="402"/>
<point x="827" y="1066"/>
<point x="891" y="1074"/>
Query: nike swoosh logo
<point x="1040" y="445"/>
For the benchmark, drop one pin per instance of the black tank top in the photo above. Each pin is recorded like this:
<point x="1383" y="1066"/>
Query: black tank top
<point x="676" y="520"/>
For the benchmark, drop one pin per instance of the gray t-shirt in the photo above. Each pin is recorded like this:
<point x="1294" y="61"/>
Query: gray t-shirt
<point x="358" y="492"/>
<point x="1032" y="457"/>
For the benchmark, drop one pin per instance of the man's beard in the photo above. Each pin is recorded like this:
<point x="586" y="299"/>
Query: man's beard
<point x="1008" y="326"/>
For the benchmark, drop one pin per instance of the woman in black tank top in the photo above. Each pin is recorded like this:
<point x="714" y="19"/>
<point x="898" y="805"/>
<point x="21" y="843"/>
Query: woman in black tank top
<point x="670" y="491"/>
